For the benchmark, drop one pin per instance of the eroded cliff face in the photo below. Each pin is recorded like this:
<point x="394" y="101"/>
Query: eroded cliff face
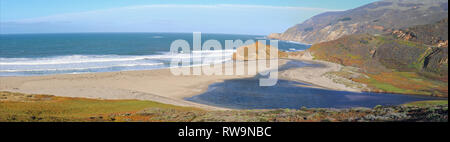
<point x="435" y="59"/>
<point x="431" y="34"/>
<point x="375" y="18"/>
<point x="391" y="64"/>
<point x="376" y="54"/>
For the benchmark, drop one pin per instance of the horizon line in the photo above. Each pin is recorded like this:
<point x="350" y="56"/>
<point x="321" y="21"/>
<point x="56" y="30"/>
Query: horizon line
<point x="125" y="32"/>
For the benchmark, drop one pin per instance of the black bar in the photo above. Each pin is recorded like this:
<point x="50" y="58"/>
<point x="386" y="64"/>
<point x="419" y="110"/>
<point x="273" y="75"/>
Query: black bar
<point x="170" y="131"/>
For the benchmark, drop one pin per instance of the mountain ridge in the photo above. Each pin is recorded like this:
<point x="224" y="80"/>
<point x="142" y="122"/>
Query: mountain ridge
<point x="374" y="18"/>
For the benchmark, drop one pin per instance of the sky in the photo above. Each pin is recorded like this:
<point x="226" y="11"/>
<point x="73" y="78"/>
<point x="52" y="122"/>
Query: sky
<point x="255" y="17"/>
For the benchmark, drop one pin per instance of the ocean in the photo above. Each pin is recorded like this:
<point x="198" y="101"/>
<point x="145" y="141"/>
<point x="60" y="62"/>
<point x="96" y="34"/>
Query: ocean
<point x="44" y="54"/>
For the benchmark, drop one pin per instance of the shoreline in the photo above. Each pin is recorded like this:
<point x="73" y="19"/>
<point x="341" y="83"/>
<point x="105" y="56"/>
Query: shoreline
<point x="327" y="82"/>
<point x="315" y="75"/>
<point x="157" y="85"/>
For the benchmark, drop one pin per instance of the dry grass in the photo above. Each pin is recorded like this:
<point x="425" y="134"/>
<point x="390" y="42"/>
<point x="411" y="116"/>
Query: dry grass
<point x="45" y="108"/>
<point x="51" y="108"/>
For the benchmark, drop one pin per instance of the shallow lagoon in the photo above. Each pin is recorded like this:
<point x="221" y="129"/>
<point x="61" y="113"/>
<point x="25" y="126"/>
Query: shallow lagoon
<point x="247" y="94"/>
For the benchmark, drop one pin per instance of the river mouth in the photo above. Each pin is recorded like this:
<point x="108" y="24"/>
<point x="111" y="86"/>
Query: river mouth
<point x="247" y="94"/>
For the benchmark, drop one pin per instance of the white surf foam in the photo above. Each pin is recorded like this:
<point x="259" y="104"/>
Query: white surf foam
<point x="74" y="59"/>
<point x="98" y="63"/>
<point x="86" y="68"/>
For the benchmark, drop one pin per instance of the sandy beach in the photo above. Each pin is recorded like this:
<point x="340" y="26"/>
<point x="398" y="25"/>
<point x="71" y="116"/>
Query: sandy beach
<point x="315" y="76"/>
<point x="155" y="85"/>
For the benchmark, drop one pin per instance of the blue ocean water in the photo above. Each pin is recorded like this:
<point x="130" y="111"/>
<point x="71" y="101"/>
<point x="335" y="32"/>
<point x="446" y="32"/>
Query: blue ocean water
<point x="43" y="54"/>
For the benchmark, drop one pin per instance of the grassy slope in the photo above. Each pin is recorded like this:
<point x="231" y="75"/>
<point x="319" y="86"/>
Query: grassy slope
<point x="32" y="108"/>
<point x="405" y="83"/>
<point x="428" y="103"/>
<point x="392" y="65"/>
<point x="19" y="107"/>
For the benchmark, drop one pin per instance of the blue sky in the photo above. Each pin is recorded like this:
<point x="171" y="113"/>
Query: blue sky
<point x="209" y="16"/>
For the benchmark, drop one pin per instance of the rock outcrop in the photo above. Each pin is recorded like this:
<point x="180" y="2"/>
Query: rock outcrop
<point x="431" y="34"/>
<point x="376" y="54"/>
<point x="274" y="36"/>
<point x="392" y="65"/>
<point x="251" y="52"/>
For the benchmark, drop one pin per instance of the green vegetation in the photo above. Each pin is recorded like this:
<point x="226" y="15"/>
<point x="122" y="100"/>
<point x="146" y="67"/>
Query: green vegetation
<point x="421" y="60"/>
<point x="428" y="103"/>
<point x="364" y="41"/>
<point x="19" y="107"/>
<point x="354" y="57"/>
<point x="405" y="83"/>
<point x="409" y="43"/>
<point x="45" y="108"/>
<point x="391" y="65"/>
<point x="387" y="87"/>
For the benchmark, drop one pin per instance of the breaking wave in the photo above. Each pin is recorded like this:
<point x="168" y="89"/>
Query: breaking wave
<point x="100" y="63"/>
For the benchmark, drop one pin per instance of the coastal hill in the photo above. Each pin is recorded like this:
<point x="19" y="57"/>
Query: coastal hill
<point x="380" y="54"/>
<point x="399" y="46"/>
<point x="431" y="34"/>
<point x="422" y="48"/>
<point x="375" y="18"/>
<point x="411" y="61"/>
